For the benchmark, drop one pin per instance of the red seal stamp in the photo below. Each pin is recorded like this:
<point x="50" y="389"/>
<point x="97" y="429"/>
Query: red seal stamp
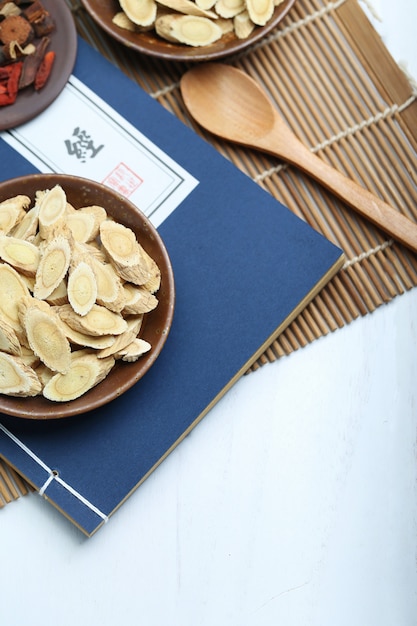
<point x="123" y="179"/>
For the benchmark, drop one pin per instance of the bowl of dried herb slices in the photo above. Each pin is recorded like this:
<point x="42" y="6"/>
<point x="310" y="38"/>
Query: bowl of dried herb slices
<point x="86" y="295"/>
<point x="188" y="30"/>
<point x="38" y="48"/>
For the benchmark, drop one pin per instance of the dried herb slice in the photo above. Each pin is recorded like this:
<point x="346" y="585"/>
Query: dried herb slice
<point x="44" y="70"/>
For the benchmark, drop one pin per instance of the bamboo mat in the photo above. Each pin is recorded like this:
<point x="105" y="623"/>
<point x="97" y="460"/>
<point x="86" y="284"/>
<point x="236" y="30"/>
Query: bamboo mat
<point x="338" y="88"/>
<point x="12" y="486"/>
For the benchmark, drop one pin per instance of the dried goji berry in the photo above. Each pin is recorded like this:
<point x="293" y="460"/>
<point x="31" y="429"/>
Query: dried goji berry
<point x="5" y="71"/>
<point x="10" y="85"/>
<point x="5" y="99"/>
<point x="44" y="70"/>
<point x="13" y="82"/>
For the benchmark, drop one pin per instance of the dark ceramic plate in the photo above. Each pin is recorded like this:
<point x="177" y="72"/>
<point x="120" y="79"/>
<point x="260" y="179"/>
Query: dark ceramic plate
<point x="102" y="11"/>
<point x="156" y="326"/>
<point x="30" y="103"/>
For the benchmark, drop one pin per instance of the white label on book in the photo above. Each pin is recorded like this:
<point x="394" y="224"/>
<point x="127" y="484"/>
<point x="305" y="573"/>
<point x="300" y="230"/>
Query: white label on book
<point x="81" y="135"/>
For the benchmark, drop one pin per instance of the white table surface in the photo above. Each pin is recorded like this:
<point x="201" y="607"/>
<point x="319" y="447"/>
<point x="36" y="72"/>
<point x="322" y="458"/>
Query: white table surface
<point x="293" y="503"/>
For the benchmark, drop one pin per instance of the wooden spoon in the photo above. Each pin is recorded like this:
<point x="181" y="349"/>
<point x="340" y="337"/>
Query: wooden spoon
<point x="230" y="104"/>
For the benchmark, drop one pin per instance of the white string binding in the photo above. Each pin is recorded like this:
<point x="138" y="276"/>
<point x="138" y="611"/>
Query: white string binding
<point x="53" y="476"/>
<point x="46" y="484"/>
<point x="368" y="253"/>
<point x="164" y="90"/>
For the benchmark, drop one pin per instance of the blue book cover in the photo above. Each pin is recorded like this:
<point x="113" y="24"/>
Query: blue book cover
<point x="244" y="267"/>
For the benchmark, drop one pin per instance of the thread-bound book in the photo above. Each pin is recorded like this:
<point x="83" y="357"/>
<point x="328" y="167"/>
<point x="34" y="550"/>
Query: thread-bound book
<point x="244" y="267"/>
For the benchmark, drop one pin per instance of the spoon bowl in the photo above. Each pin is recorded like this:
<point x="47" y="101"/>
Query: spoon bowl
<point x="230" y="104"/>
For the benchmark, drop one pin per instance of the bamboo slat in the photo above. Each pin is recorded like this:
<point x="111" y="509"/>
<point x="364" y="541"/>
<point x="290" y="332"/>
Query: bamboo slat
<point x="12" y="486"/>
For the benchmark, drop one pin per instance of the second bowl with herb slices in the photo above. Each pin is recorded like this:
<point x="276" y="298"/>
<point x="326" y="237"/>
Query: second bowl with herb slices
<point x="145" y="39"/>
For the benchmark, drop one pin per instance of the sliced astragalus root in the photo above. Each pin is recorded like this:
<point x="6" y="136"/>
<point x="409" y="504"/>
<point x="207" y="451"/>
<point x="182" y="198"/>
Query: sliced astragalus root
<point x="80" y="339"/>
<point x="226" y="24"/>
<point x="45" y="335"/>
<point x="43" y="373"/>
<point x="81" y="225"/>
<point x="53" y="266"/>
<point x="12" y="290"/>
<point x="154" y="282"/>
<point x="12" y="212"/>
<point x="22" y="255"/>
<point x="166" y="26"/>
<point x="134" y="350"/>
<point x="59" y="295"/>
<point x="63" y="294"/>
<point x="133" y="327"/>
<point x="121" y="20"/>
<point x="140" y="12"/>
<point x="17" y="378"/>
<point x="243" y="25"/>
<point x="109" y="284"/>
<point x="98" y="214"/>
<point x="98" y="321"/>
<point x="188" y="29"/>
<point x="9" y="341"/>
<point x="28" y="226"/>
<point x="205" y="4"/>
<point x="187" y="7"/>
<point x="93" y="249"/>
<point x="29" y="357"/>
<point x="125" y="252"/>
<point x="52" y="209"/>
<point x="229" y="8"/>
<point x="84" y="373"/>
<point x="260" y="11"/>
<point x="138" y="300"/>
<point x="81" y="288"/>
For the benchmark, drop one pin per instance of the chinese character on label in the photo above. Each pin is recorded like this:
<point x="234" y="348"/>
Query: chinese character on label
<point x="82" y="146"/>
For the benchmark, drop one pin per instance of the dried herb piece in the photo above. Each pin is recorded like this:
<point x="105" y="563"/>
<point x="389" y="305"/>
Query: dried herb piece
<point x="34" y="12"/>
<point x="24" y="32"/>
<point x="61" y="341"/>
<point x="39" y="18"/>
<point x="9" y="82"/>
<point x="44" y="70"/>
<point x="32" y="63"/>
<point x="15" y="28"/>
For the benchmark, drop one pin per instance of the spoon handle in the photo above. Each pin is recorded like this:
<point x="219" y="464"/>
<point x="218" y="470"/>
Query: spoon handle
<point x="364" y="202"/>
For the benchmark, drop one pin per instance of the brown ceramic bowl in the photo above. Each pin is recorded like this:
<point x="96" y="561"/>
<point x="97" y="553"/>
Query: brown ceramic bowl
<point x="103" y="11"/>
<point x="63" y="41"/>
<point x="82" y="192"/>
